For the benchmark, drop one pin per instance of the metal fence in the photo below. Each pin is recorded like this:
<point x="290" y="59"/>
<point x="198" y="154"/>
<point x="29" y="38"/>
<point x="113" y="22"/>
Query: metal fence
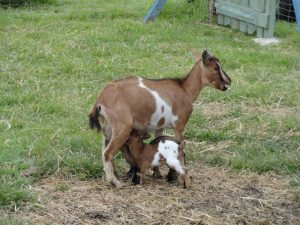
<point x="285" y="11"/>
<point x="20" y="3"/>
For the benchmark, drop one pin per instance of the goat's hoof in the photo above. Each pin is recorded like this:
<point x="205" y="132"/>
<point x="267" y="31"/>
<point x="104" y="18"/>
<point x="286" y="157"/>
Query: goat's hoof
<point x="187" y="183"/>
<point x="117" y="184"/>
<point x="157" y="176"/>
<point x="172" y="176"/>
<point x="136" y="179"/>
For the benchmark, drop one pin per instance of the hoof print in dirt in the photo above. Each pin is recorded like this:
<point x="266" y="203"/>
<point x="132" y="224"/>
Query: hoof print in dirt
<point x="98" y="215"/>
<point x="241" y="222"/>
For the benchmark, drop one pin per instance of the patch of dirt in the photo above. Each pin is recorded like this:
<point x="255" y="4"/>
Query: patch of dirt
<point x="218" y="197"/>
<point x="212" y="109"/>
<point x="218" y="109"/>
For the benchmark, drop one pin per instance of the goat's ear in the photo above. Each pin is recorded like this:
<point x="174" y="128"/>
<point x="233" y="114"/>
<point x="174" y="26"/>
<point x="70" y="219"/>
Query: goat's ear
<point x="195" y="55"/>
<point x="206" y="57"/>
<point x="128" y="141"/>
<point x="133" y="132"/>
<point x="144" y="135"/>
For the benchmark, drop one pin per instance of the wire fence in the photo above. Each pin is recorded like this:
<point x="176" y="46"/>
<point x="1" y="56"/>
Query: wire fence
<point x="19" y="3"/>
<point x="284" y="10"/>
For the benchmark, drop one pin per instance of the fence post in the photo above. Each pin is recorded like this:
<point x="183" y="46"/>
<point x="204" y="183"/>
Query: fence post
<point x="271" y="10"/>
<point x="154" y="10"/>
<point x="296" y="4"/>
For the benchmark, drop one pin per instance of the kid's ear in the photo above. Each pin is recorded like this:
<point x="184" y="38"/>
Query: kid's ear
<point x="144" y="135"/>
<point x="206" y="57"/>
<point x="133" y="133"/>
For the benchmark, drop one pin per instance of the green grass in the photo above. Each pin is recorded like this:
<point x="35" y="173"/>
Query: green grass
<point x="13" y="221"/>
<point x="55" y="58"/>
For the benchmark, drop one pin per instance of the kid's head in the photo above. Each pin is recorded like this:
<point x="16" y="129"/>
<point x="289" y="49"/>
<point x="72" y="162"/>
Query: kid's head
<point x="137" y="137"/>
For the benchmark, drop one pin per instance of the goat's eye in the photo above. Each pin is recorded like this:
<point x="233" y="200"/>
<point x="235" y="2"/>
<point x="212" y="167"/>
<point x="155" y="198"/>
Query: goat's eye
<point x="216" y="69"/>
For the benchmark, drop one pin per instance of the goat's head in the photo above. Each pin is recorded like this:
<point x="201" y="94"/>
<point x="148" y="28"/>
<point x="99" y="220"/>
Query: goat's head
<point x="137" y="137"/>
<point x="212" y="73"/>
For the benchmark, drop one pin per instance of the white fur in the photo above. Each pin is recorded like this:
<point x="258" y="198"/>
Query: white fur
<point x="167" y="114"/>
<point x="169" y="150"/>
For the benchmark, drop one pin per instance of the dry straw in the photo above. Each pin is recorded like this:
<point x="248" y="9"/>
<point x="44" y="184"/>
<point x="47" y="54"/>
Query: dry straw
<point x="218" y="197"/>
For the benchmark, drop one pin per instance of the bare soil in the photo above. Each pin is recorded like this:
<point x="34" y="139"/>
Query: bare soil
<point x="218" y="196"/>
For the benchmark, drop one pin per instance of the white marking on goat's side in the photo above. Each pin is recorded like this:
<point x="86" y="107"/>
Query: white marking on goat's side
<point x="169" y="150"/>
<point x="224" y="77"/>
<point x="160" y="103"/>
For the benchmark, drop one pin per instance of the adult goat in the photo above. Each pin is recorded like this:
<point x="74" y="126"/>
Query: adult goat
<point x="146" y="104"/>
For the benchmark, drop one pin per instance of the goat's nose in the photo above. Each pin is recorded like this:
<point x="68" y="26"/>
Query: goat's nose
<point x="226" y="87"/>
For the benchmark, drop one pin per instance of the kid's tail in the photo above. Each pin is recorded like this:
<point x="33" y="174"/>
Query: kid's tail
<point x="93" y="117"/>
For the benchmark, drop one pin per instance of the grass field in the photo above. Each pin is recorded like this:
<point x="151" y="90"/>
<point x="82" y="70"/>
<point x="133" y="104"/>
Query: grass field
<point x="55" y="58"/>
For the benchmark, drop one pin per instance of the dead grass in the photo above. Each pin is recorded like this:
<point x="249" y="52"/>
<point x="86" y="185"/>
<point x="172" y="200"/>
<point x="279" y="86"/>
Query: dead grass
<point x="217" y="109"/>
<point x="218" y="196"/>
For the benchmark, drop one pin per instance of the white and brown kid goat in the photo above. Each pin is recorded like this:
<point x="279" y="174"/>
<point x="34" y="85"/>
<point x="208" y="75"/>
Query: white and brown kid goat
<point x="163" y="149"/>
<point x="145" y="104"/>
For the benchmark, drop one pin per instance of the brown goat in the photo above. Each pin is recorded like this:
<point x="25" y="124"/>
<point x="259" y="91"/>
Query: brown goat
<point x="145" y="104"/>
<point x="162" y="149"/>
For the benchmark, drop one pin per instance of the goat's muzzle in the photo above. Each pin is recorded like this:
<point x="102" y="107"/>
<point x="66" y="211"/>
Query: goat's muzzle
<point x="226" y="83"/>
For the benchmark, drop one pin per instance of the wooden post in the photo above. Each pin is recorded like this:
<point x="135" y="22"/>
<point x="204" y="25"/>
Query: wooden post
<point x="210" y="10"/>
<point x="271" y="11"/>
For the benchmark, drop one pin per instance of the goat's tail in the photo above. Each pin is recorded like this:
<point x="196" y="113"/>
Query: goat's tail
<point x="93" y="117"/>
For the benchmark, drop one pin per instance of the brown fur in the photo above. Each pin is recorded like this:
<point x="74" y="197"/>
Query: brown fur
<point x="161" y="122"/>
<point x="126" y="106"/>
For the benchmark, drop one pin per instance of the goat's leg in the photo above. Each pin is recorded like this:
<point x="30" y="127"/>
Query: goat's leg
<point x="119" y="137"/>
<point x="129" y="159"/>
<point x="157" y="173"/>
<point x="135" y="178"/>
<point x="141" y="172"/>
<point x="179" y="128"/>
<point x="185" y="177"/>
<point x="141" y="176"/>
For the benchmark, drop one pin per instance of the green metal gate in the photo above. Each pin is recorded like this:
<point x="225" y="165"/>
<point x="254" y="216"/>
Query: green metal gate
<point x="248" y="16"/>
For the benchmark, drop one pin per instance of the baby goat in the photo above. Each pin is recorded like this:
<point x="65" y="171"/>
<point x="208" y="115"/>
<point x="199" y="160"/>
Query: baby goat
<point x="162" y="149"/>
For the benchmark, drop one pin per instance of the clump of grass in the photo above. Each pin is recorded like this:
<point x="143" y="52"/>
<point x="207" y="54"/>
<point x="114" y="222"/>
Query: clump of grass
<point x="12" y="195"/>
<point x="62" y="187"/>
<point x="13" y="221"/>
<point x="295" y="184"/>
